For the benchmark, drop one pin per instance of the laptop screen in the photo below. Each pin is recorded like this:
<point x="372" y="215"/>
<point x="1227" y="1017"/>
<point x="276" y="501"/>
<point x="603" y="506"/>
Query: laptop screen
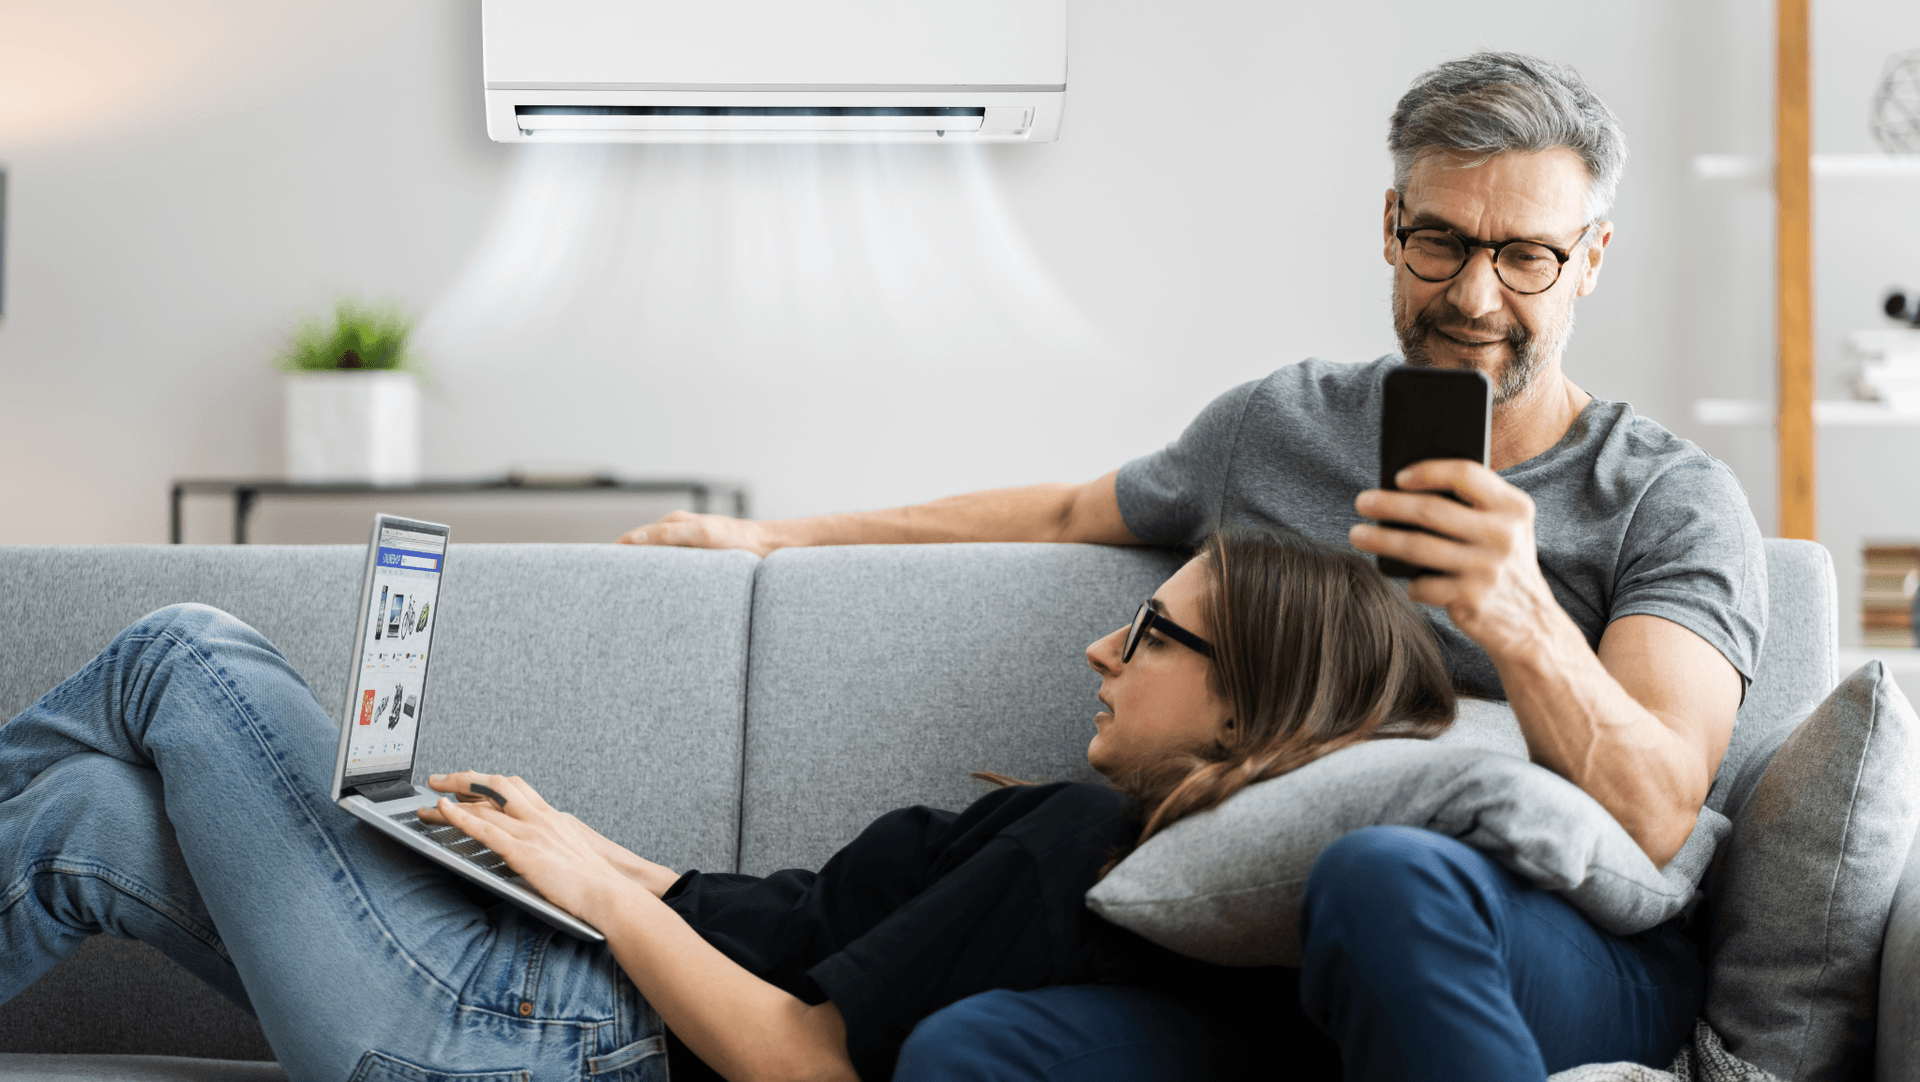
<point x="384" y="717"/>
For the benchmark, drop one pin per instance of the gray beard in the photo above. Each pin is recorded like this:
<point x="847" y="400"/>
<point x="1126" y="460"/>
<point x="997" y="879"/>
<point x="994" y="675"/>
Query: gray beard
<point x="1528" y="349"/>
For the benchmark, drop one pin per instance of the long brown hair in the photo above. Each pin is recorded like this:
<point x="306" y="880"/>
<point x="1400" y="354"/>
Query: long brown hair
<point x="1315" y="650"/>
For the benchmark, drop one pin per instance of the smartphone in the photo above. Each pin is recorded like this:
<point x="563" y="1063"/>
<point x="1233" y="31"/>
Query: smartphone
<point x="1431" y="413"/>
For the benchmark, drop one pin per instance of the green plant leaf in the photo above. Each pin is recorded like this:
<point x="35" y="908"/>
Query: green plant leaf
<point x="375" y="332"/>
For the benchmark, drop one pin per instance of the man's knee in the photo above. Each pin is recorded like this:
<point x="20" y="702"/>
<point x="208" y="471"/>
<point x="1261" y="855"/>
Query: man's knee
<point x="1060" y="1034"/>
<point x="987" y="1036"/>
<point x="1379" y="879"/>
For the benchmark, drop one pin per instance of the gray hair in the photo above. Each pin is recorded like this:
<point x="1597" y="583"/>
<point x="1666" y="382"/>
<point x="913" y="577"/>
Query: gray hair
<point x="1490" y="103"/>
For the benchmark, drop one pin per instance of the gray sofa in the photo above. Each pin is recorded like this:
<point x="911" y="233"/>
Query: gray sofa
<point x="709" y="710"/>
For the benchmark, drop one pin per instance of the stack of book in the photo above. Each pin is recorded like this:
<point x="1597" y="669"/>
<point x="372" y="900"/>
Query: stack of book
<point x="1886" y="601"/>
<point x="1889" y="367"/>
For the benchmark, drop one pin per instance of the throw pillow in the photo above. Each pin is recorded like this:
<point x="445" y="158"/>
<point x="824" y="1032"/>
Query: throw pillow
<point x="1803" y="891"/>
<point x="1225" y="885"/>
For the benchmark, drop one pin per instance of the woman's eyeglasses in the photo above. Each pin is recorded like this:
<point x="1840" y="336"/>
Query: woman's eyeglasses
<point x="1147" y="620"/>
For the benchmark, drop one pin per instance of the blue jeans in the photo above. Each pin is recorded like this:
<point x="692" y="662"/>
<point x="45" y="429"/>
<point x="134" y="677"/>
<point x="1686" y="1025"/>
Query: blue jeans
<point x="175" y="791"/>
<point x="1421" y="957"/>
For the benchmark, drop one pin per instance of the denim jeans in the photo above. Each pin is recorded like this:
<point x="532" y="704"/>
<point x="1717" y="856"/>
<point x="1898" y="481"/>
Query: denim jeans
<point x="1425" y="959"/>
<point x="175" y="791"/>
<point x="1421" y="957"/>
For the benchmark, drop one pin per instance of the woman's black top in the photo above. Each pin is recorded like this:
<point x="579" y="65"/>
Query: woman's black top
<point x="928" y="907"/>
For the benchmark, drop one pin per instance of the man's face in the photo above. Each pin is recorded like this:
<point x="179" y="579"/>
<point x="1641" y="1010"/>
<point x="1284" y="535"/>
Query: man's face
<point x="1472" y="320"/>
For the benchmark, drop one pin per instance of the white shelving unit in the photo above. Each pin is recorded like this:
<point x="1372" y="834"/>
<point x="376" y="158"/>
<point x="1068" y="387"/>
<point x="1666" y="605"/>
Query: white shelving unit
<point x="1903" y="665"/>
<point x="1826" y="411"/>
<point x="1747" y="167"/>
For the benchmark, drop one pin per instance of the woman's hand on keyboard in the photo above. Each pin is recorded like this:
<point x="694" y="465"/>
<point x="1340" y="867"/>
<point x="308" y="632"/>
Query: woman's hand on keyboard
<point x="568" y="862"/>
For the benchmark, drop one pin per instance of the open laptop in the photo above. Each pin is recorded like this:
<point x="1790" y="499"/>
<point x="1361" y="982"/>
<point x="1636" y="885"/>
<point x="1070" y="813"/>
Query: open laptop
<point x="380" y="731"/>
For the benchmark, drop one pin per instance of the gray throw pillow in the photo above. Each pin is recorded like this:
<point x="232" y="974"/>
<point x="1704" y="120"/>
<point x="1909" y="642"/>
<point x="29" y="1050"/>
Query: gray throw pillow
<point x="1802" y="893"/>
<point x="1225" y="885"/>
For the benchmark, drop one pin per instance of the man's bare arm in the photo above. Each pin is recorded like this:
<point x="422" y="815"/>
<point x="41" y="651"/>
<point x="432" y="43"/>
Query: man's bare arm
<point x="1641" y="725"/>
<point x="1087" y="513"/>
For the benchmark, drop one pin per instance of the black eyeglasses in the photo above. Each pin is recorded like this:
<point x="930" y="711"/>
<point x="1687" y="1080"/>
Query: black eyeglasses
<point x="1524" y="266"/>
<point x="1147" y="620"/>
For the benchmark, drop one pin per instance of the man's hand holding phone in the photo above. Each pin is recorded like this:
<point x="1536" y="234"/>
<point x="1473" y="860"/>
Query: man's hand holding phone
<point x="1488" y="574"/>
<point x="1459" y="531"/>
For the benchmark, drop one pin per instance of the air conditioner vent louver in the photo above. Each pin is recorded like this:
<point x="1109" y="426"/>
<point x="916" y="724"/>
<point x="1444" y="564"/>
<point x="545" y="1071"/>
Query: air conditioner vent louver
<point x="735" y="110"/>
<point x="789" y="120"/>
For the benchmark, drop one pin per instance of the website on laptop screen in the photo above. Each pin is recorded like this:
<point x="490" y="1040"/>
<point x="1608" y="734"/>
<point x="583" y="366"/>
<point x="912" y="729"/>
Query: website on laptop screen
<point x="393" y="648"/>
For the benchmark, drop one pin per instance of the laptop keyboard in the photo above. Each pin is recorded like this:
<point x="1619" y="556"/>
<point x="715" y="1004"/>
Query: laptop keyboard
<point x="453" y="841"/>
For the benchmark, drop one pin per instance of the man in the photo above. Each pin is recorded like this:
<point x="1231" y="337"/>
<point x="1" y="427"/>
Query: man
<point x="1603" y="576"/>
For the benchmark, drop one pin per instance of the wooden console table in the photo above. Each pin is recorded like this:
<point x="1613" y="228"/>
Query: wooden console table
<point x="246" y="493"/>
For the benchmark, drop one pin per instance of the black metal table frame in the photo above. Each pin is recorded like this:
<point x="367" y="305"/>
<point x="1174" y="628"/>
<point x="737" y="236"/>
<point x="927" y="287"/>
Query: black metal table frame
<point x="247" y="493"/>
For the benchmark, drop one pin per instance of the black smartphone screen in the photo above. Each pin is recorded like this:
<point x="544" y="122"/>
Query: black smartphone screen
<point x="1431" y="413"/>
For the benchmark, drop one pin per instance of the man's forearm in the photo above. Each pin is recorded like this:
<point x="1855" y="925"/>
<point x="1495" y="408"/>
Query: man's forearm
<point x="1030" y="513"/>
<point x="1641" y="725"/>
<point x="1582" y="724"/>
<point x="1088" y="513"/>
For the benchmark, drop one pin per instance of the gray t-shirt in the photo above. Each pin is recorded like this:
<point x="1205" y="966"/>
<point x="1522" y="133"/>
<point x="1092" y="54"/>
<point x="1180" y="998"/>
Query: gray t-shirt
<point x="1629" y="517"/>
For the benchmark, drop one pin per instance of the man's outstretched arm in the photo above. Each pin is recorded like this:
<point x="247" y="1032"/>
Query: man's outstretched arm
<point x="1088" y="513"/>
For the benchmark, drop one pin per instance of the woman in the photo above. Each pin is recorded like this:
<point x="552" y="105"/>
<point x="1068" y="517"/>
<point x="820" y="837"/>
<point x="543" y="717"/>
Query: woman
<point x="174" y="791"/>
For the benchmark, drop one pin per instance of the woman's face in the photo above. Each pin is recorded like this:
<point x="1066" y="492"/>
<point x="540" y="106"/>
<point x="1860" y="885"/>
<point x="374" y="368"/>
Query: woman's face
<point x="1159" y="703"/>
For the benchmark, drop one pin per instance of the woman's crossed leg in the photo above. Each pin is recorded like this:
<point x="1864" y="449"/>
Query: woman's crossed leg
<point x="176" y="790"/>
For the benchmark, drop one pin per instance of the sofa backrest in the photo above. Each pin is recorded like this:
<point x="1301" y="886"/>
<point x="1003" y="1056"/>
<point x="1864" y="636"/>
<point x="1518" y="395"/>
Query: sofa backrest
<point x="610" y="677"/>
<point x="880" y="676"/>
<point x="1799" y="664"/>
<point x="607" y="675"/>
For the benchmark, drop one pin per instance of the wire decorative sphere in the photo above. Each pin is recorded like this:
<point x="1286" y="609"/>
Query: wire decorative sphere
<point x="1896" y="105"/>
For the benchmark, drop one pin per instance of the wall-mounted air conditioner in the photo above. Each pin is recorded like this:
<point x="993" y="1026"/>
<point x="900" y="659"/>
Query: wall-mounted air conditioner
<point x="774" y="71"/>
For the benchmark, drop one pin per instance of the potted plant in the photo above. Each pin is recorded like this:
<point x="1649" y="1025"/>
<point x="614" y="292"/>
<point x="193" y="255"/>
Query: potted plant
<point x="353" y="399"/>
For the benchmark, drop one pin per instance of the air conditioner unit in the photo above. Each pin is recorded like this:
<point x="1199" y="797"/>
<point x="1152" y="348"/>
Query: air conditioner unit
<point x="774" y="71"/>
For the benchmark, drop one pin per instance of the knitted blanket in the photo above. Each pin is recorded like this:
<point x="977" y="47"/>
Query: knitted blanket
<point x="1703" y="1060"/>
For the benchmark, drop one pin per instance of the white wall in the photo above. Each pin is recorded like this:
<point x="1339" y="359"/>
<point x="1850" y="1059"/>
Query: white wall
<point x="1041" y="312"/>
<point x="159" y="253"/>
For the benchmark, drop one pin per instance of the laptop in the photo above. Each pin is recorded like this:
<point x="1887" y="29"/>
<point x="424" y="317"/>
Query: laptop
<point x="380" y="729"/>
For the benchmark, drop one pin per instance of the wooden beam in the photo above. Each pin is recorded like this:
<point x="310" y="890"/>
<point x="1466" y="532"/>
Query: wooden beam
<point x="1793" y="185"/>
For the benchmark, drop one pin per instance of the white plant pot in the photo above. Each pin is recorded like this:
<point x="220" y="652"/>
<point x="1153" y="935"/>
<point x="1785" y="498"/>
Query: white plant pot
<point x="353" y="426"/>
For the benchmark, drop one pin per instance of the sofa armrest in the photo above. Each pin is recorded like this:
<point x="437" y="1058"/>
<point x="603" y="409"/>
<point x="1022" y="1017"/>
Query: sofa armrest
<point x="1897" y="1040"/>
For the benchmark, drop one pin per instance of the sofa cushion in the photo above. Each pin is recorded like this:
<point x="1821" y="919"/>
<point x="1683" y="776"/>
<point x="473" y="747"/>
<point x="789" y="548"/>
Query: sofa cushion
<point x="611" y="677"/>
<point x="882" y="675"/>
<point x="1225" y="885"/>
<point x="1805" y="885"/>
<point x="639" y="652"/>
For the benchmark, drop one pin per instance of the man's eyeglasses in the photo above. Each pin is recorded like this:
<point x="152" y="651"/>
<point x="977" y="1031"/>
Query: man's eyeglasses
<point x="1147" y="620"/>
<point x="1524" y="266"/>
